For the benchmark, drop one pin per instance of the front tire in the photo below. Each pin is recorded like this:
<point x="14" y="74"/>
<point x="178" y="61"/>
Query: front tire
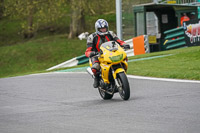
<point x="124" y="89"/>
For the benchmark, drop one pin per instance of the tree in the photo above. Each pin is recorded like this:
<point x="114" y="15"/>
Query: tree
<point x="81" y="8"/>
<point x="34" y="13"/>
<point x="37" y="13"/>
<point x="77" y="24"/>
<point x="1" y="8"/>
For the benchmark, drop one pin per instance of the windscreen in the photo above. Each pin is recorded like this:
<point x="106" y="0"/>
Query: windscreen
<point x="111" y="46"/>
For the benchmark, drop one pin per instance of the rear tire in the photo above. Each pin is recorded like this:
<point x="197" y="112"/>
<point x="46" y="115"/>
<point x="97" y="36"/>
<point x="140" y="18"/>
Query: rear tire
<point x="124" y="90"/>
<point x="104" y="95"/>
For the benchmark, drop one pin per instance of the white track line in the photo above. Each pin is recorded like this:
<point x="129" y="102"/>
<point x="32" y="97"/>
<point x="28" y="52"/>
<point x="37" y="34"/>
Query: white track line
<point x="164" y="79"/>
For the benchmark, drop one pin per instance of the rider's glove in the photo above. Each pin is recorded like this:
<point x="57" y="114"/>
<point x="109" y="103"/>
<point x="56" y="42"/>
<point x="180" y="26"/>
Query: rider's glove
<point x="93" y="53"/>
<point x="126" y="46"/>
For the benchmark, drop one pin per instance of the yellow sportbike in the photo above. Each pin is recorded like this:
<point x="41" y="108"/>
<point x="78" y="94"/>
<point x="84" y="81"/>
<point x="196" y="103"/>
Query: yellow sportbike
<point x="113" y="63"/>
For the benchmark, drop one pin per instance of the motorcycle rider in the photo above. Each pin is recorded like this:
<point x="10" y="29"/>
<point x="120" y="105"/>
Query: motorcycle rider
<point x="94" y="42"/>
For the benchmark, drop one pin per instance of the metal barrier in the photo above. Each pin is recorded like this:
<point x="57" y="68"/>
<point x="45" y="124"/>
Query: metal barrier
<point x="82" y="59"/>
<point x="174" y="38"/>
<point x="185" y="2"/>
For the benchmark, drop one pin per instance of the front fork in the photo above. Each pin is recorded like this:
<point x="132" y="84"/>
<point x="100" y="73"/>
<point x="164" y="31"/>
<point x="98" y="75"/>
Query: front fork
<point x="119" y="70"/>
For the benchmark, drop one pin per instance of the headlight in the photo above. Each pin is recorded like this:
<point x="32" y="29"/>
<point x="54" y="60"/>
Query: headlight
<point x="116" y="58"/>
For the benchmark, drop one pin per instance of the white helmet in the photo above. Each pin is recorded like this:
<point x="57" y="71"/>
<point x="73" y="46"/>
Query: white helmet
<point x="101" y="23"/>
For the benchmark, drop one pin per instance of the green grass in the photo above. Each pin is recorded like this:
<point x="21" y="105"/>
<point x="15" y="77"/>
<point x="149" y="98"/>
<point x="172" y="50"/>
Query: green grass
<point x="10" y="31"/>
<point x="183" y="64"/>
<point x="38" y="55"/>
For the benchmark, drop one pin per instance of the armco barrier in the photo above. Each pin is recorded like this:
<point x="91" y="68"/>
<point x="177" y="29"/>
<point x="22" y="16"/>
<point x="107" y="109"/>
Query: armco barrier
<point x="146" y="44"/>
<point x="174" y="38"/>
<point x="70" y="63"/>
<point x="82" y="59"/>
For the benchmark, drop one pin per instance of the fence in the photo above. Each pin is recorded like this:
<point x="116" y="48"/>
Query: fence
<point x="176" y="1"/>
<point x="174" y="38"/>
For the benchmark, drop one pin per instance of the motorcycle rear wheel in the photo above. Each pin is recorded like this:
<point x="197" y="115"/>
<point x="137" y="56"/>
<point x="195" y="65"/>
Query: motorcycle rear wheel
<point x="124" y="90"/>
<point x="104" y="95"/>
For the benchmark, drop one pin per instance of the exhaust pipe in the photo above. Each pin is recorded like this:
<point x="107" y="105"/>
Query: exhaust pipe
<point x="89" y="70"/>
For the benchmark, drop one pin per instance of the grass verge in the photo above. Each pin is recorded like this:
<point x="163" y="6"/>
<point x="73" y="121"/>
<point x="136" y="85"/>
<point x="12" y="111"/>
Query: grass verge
<point x="38" y="55"/>
<point x="184" y="63"/>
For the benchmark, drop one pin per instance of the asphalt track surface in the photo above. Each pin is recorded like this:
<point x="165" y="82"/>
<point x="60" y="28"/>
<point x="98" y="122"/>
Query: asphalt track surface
<point x="67" y="103"/>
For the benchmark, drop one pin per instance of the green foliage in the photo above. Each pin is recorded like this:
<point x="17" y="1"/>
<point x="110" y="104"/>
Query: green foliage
<point x="49" y="19"/>
<point x="34" y="13"/>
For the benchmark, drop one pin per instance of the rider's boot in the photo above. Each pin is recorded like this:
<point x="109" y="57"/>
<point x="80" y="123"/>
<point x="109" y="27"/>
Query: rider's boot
<point x="96" y="77"/>
<point x="96" y="81"/>
<point x="95" y="69"/>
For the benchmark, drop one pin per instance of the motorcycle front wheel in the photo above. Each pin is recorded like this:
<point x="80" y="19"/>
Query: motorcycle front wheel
<point x="124" y="89"/>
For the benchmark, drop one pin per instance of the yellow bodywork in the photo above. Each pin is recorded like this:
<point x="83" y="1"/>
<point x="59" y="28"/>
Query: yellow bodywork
<point x="110" y="58"/>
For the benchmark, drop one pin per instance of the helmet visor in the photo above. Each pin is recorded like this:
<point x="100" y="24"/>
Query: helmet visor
<point x="105" y="29"/>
